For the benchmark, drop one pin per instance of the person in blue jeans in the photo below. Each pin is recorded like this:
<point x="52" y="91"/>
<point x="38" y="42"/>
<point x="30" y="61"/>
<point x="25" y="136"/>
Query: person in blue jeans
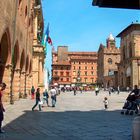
<point x="46" y="96"/>
<point x="53" y="96"/>
<point x="37" y="100"/>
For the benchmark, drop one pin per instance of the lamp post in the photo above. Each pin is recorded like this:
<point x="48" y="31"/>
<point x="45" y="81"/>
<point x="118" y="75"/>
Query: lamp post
<point x="78" y="77"/>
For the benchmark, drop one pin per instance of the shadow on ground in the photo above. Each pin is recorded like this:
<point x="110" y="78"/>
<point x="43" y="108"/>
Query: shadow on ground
<point x="70" y="125"/>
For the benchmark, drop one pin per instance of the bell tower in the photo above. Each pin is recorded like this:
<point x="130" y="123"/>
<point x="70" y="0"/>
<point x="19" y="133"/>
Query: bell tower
<point x="111" y="41"/>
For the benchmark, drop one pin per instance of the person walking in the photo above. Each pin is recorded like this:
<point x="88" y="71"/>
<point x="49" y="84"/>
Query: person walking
<point x="105" y="102"/>
<point x="136" y="92"/>
<point x="32" y="92"/>
<point x="110" y="90"/>
<point x="74" y="90"/>
<point x="2" y="88"/>
<point x="53" y="96"/>
<point x="37" y="100"/>
<point x="118" y="89"/>
<point x="46" y="96"/>
<point x="96" y="90"/>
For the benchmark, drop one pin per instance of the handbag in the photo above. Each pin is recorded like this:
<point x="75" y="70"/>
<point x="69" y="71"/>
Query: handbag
<point x="40" y="102"/>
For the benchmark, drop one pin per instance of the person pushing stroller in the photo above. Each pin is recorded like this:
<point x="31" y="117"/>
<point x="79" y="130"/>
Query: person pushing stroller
<point x="132" y="102"/>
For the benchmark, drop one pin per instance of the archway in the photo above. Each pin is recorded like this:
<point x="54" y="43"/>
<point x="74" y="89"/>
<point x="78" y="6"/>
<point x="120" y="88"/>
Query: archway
<point x="4" y="53"/>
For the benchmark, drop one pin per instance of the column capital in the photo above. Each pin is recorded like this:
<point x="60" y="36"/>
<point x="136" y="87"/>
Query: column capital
<point x="23" y="72"/>
<point x="18" y="70"/>
<point x="9" y="66"/>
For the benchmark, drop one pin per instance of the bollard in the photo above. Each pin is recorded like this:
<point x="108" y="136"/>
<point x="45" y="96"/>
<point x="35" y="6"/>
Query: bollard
<point x="136" y="129"/>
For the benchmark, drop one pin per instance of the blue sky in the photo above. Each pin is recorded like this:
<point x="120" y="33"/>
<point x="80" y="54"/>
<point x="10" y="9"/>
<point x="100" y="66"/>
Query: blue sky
<point x="81" y="26"/>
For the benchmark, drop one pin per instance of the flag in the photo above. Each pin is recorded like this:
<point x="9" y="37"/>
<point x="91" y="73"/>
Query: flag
<point x="49" y="41"/>
<point x="46" y="37"/>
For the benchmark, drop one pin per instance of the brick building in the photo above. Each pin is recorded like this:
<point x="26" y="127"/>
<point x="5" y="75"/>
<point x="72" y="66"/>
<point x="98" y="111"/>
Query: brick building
<point x="16" y="39"/>
<point x="107" y="64"/>
<point x="129" y="67"/>
<point x="72" y="68"/>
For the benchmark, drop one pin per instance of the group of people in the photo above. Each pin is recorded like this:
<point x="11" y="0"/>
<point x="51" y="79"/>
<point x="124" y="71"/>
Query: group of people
<point x="53" y="93"/>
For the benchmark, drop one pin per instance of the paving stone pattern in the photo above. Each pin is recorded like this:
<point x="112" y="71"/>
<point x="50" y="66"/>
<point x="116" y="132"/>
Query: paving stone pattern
<point x="80" y="117"/>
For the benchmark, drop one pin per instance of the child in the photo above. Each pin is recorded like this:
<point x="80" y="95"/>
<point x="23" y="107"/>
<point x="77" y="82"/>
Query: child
<point x="105" y="102"/>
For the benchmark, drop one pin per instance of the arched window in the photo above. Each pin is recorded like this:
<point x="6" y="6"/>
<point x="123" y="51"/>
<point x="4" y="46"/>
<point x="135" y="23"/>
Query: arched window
<point x="19" y="2"/>
<point x="26" y="12"/>
<point x="110" y="61"/>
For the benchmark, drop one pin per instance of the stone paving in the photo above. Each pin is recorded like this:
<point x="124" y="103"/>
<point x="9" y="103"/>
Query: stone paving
<point x="80" y="117"/>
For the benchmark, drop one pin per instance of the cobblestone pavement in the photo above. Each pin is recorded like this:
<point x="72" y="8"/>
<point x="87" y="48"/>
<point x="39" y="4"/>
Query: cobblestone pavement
<point x="80" y="117"/>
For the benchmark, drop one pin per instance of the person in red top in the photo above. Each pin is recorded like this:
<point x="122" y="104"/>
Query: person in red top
<point x="2" y="87"/>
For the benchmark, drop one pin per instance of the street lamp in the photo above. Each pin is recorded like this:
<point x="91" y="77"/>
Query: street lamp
<point x="78" y="77"/>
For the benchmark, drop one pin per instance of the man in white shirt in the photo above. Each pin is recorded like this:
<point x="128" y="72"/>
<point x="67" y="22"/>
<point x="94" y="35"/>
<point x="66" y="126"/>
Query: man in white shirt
<point x="53" y="96"/>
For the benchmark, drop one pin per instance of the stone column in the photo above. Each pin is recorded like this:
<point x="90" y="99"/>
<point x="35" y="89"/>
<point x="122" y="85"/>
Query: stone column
<point x="40" y="72"/>
<point x="28" y="84"/>
<point x="16" y="84"/>
<point x="41" y="75"/>
<point x="22" y="84"/>
<point x="134" y="73"/>
<point x="7" y="78"/>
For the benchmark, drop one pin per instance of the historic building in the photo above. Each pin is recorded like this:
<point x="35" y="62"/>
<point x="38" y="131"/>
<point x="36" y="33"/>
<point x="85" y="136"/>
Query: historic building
<point x="73" y="68"/>
<point x="108" y="59"/>
<point x="38" y="49"/>
<point x="16" y="40"/>
<point x="129" y="67"/>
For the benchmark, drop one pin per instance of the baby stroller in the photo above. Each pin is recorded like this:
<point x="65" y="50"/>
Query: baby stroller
<point x="130" y="106"/>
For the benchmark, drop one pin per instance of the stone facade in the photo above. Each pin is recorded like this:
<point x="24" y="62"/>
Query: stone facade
<point x="38" y="49"/>
<point x="129" y="67"/>
<point x="108" y="58"/>
<point x="16" y="38"/>
<point x="71" y="68"/>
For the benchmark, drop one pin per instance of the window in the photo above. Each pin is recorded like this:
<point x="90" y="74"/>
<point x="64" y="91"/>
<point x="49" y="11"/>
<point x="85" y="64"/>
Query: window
<point x="26" y="12"/>
<point x="61" y="73"/>
<point x="92" y="73"/>
<point x="67" y="73"/>
<point x="79" y="62"/>
<point x="86" y="73"/>
<point x="61" y="79"/>
<point x="79" y="68"/>
<point x="74" y="73"/>
<point x="74" y="67"/>
<point x="61" y="68"/>
<point x="92" y="80"/>
<point x="110" y="61"/>
<point x="19" y="2"/>
<point x="56" y="73"/>
<point x="85" y="68"/>
<point x="92" y="68"/>
<point x="67" y="79"/>
<point x="85" y="80"/>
